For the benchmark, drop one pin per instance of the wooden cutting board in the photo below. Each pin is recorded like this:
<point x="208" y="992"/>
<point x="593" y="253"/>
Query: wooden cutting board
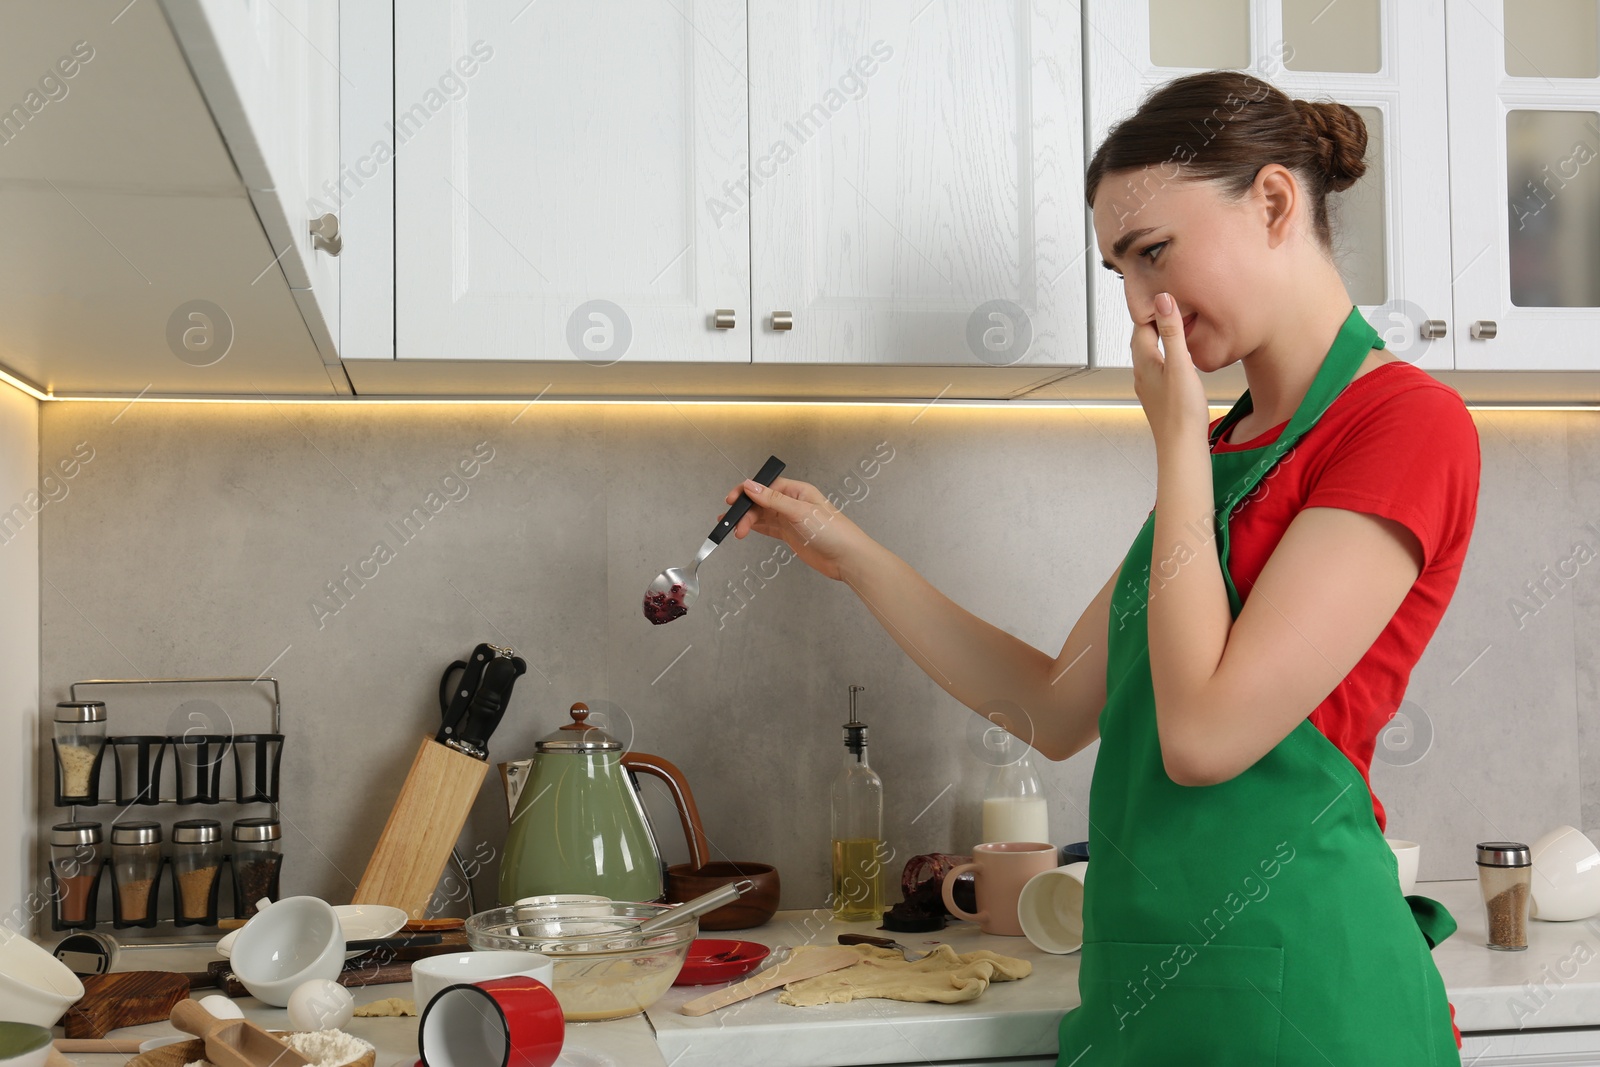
<point x="127" y="998"/>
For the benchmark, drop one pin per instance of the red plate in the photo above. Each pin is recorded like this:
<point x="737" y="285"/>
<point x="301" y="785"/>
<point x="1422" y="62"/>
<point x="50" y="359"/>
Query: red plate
<point x="734" y="959"/>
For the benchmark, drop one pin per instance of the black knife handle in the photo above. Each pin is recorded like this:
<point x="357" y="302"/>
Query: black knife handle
<point x="454" y="701"/>
<point x="766" y="476"/>
<point x="489" y="704"/>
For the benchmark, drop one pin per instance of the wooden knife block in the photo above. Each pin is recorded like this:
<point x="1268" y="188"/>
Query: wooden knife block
<point x="427" y="819"/>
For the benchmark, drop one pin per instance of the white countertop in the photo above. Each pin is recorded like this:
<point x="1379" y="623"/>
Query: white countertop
<point x="1555" y="983"/>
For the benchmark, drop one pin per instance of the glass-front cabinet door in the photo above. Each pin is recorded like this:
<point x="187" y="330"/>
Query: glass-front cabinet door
<point x="1385" y="59"/>
<point x="1525" y="183"/>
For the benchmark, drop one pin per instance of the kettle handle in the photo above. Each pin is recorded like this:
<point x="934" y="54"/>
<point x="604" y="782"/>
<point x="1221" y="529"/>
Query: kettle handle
<point x="688" y="814"/>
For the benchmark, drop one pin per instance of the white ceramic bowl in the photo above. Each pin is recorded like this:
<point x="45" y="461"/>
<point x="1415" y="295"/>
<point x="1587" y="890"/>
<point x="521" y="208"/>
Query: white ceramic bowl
<point x="432" y="975"/>
<point x="35" y="987"/>
<point x="1050" y="908"/>
<point x="360" y="922"/>
<point x="1566" y="876"/>
<point x="1406" y="854"/>
<point x="294" y="941"/>
<point x="23" y="1045"/>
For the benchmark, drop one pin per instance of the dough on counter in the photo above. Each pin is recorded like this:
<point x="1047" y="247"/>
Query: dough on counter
<point x="942" y="976"/>
<point x="389" y="1006"/>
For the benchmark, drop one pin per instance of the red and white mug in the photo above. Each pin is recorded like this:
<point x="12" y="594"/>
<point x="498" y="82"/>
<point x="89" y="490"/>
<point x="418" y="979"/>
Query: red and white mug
<point x="499" y="1022"/>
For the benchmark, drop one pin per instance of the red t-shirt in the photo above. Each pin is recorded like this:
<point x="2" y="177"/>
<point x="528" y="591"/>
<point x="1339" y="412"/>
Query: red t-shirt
<point x="1399" y="444"/>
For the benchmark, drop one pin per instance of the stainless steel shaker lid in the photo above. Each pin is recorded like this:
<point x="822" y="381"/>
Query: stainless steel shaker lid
<point x="136" y="833"/>
<point x="578" y="735"/>
<point x="256" y="830"/>
<point x="1503" y="854"/>
<point x="80" y="711"/>
<point x="196" y="832"/>
<point x="75" y="833"/>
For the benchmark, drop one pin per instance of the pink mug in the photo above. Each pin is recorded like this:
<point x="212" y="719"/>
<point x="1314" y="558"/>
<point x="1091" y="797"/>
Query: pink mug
<point x="1000" y="870"/>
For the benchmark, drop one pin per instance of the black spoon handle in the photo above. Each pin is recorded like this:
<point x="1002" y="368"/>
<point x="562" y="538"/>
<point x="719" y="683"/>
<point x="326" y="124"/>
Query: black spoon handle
<point x="766" y="476"/>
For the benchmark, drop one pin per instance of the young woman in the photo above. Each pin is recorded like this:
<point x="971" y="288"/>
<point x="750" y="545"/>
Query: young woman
<point x="1242" y="906"/>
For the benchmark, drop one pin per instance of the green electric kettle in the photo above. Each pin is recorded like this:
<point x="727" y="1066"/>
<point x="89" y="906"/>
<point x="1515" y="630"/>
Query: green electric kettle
<point x="577" y="825"/>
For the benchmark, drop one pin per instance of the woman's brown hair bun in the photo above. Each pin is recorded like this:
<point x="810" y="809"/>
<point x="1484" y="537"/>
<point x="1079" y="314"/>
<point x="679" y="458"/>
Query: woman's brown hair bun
<point x="1224" y="126"/>
<point x="1341" y="141"/>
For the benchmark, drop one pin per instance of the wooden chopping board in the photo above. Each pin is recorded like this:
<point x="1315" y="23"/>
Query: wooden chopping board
<point x="190" y="1051"/>
<point x="127" y="998"/>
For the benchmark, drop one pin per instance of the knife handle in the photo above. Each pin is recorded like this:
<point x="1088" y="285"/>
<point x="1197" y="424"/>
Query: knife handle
<point x="766" y="476"/>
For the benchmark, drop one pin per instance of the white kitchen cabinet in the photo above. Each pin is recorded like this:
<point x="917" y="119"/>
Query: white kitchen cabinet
<point x="915" y="183"/>
<point x="553" y="166"/>
<point x="1384" y="58"/>
<point x="1525" y="183"/>
<point x="270" y="73"/>
<point x="134" y="261"/>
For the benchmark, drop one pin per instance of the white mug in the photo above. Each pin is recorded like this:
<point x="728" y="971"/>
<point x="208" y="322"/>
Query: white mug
<point x="1406" y="854"/>
<point x="1050" y="908"/>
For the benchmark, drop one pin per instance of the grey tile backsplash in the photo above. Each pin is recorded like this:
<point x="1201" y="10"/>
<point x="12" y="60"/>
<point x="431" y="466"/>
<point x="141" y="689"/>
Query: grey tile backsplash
<point x="353" y="552"/>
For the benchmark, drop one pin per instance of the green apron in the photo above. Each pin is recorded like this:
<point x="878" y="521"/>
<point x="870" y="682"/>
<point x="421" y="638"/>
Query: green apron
<point x="1259" y="920"/>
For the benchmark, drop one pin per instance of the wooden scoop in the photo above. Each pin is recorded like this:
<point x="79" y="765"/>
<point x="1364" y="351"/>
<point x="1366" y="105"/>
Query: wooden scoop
<point x="234" y="1042"/>
<point x="809" y="965"/>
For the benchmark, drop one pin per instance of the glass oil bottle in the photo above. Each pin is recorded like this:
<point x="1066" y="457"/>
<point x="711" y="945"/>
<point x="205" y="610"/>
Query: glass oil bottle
<point x="859" y="850"/>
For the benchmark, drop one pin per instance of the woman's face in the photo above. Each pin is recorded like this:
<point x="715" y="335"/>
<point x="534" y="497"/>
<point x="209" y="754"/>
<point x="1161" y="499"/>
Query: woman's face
<point x="1181" y="237"/>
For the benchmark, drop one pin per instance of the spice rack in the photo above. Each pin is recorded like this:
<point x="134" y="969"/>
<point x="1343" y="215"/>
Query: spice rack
<point x="135" y="853"/>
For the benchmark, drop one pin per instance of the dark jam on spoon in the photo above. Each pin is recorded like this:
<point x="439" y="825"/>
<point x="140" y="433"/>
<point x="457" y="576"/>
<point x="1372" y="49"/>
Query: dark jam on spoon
<point x="664" y="607"/>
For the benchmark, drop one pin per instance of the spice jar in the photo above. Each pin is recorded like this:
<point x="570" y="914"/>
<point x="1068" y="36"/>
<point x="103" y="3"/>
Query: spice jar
<point x="76" y="856"/>
<point x="1505" y="876"/>
<point x="80" y="738"/>
<point x="257" y="861"/>
<point x="135" y="871"/>
<point x="196" y="862"/>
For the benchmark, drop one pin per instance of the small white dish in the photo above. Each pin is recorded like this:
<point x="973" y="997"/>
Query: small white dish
<point x="361" y="922"/>
<point x="432" y="975"/>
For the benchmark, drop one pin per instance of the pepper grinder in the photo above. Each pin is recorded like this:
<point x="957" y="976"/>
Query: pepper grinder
<point x="1505" y="876"/>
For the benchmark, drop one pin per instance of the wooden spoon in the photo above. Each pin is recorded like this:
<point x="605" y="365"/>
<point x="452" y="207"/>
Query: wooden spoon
<point x="234" y="1042"/>
<point x="809" y="965"/>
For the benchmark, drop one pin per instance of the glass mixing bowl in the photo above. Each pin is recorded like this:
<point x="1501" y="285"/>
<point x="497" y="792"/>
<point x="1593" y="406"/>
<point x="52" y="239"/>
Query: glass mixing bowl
<point x="604" y="969"/>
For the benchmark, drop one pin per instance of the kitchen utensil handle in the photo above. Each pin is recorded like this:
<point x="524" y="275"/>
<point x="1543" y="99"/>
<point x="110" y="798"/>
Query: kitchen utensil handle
<point x="102" y="1044"/>
<point x="947" y="888"/>
<point x="689" y="815"/>
<point x="191" y="1018"/>
<point x="766" y="476"/>
<point x="868" y="939"/>
<point x="698" y="906"/>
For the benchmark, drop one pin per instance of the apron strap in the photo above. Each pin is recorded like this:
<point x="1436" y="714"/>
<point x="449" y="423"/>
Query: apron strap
<point x="1432" y="918"/>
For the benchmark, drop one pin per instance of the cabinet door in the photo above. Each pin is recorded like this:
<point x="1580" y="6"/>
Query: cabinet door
<point x="552" y="166"/>
<point x="914" y="184"/>
<point x="1525" y="183"/>
<point x="269" y="71"/>
<point x="1385" y="59"/>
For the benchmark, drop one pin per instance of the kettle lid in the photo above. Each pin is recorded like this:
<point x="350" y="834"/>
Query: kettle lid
<point x="578" y="735"/>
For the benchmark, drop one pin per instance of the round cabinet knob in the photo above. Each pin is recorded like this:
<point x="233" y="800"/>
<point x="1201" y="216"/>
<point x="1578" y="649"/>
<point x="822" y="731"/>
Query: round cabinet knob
<point x="1484" y="330"/>
<point x="1431" y="329"/>
<point x="325" y="234"/>
<point x="783" y="320"/>
<point x="722" y="318"/>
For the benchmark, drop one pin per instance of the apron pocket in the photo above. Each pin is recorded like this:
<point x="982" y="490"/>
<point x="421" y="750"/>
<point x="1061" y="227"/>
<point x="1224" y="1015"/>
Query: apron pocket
<point x="1185" y="1003"/>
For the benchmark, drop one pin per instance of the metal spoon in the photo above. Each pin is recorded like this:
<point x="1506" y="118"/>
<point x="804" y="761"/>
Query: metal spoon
<point x="674" y="589"/>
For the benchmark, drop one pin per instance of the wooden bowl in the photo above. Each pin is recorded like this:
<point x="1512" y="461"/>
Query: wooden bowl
<point x="189" y="1051"/>
<point x="685" y="882"/>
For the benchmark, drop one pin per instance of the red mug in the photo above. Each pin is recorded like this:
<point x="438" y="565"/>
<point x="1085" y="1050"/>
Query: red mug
<point x="499" y="1022"/>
